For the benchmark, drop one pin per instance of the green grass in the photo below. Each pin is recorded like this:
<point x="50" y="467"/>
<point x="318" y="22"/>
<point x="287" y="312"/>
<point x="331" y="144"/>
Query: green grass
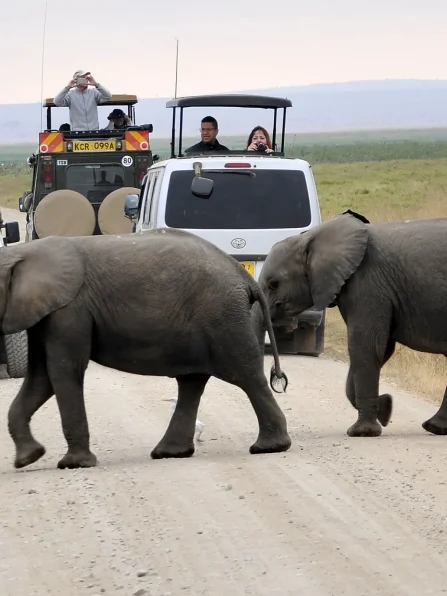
<point x="12" y="186"/>
<point x="384" y="191"/>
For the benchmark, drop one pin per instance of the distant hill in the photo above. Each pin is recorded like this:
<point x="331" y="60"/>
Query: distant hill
<point x="368" y="105"/>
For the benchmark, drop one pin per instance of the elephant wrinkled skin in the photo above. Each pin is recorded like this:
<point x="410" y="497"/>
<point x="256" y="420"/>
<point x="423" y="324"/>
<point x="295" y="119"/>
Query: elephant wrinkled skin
<point x="164" y="303"/>
<point x="389" y="281"/>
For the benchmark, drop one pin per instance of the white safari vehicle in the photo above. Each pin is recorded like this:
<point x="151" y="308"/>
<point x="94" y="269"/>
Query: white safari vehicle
<point x="242" y="201"/>
<point x="13" y="348"/>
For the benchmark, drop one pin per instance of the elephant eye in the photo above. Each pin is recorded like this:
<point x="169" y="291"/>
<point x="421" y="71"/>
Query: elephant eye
<point x="273" y="284"/>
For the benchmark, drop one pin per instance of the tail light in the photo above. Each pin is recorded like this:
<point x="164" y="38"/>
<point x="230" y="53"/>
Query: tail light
<point x="141" y="169"/>
<point x="233" y="164"/>
<point x="48" y="174"/>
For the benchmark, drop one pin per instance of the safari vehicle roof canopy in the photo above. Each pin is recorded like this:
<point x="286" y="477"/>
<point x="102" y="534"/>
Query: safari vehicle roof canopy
<point x="132" y="138"/>
<point x="229" y="100"/>
<point x="115" y="100"/>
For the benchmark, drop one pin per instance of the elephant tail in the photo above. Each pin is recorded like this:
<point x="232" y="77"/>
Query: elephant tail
<point x="277" y="376"/>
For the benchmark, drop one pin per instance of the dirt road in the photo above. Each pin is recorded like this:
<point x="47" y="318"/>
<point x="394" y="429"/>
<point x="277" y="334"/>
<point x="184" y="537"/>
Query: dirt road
<point x="333" y="516"/>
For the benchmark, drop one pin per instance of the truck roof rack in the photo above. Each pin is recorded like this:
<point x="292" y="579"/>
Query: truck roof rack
<point x="116" y="100"/>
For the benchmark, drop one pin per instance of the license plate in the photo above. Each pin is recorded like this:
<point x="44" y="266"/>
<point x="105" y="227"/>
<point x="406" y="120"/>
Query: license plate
<point x="94" y="145"/>
<point x="249" y="266"/>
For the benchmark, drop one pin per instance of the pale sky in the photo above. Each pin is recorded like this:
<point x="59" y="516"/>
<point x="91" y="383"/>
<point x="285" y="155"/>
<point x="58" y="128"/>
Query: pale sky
<point x="225" y="46"/>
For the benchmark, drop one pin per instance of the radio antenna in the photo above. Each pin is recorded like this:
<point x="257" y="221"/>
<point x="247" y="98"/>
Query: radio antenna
<point x="176" y="70"/>
<point x="42" y="66"/>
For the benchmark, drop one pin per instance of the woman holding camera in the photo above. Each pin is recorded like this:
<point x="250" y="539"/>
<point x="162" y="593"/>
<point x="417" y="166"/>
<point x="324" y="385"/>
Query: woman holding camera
<point x="259" y="140"/>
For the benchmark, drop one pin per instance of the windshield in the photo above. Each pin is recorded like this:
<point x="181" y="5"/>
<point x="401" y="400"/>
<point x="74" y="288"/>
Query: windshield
<point x="95" y="182"/>
<point x="270" y="199"/>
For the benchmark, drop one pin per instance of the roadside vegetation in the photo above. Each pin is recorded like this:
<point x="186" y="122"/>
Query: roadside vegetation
<point x="386" y="176"/>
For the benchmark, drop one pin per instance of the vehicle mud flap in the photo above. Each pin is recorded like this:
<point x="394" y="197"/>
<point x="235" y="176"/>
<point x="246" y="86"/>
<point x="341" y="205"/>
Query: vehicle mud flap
<point x="111" y="219"/>
<point x="16" y="351"/>
<point x="64" y="213"/>
<point x="306" y="340"/>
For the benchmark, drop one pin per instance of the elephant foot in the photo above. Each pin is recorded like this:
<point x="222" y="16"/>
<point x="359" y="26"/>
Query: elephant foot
<point x="165" y="450"/>
<point x="363" y="428"/>
<point x="385" y="403"/>
<point x="271" y="444"/>
<point x="436" y="425"/>
<point x="77" y="459"/>
<point x="28" y="454"/>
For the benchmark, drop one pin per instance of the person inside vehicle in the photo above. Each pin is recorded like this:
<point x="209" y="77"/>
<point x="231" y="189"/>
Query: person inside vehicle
<point x="118" y="120"/>
<point x="209" y="130"/>
<point x="82" y="96"/>
<point x="64" y="127"/>
<point x="259" y="140"/>
<point x="103" y="181"/>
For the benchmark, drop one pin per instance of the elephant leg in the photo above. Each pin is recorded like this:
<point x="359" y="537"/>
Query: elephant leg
<point x="437" y="424"/>
<point x="178" y="440"/>
<point x="68" y="356"/>
<point x="36" y="389"/>
<point x="273" y="436"/>
<point x="242" y="352"/>
<point x="385" y="400"/>
<point x="367" y="352"/>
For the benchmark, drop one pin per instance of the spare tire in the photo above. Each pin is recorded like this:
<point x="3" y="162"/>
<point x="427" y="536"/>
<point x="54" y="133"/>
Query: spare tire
<point x="64" y="213"/>
<point x="111" y="219"/>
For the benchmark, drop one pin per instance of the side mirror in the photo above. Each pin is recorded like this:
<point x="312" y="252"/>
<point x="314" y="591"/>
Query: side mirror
<point x="131" y="206"/>
<point x="12" y="232"/>
<point x="202" y="187"/>
<point x="22" y="208"/>
<point x="31" y="160"/>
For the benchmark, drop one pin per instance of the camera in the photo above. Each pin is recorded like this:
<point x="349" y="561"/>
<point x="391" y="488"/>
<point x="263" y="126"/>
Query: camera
<point x="261" y="147"/>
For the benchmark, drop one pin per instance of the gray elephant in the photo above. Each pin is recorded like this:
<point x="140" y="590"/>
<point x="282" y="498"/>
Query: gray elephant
<point x="163" y="303"/>
<point x="389" y="281"/>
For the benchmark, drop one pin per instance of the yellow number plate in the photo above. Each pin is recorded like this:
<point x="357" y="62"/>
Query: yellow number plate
<point x="94" y="145"/>
<point x="249" y="266"/>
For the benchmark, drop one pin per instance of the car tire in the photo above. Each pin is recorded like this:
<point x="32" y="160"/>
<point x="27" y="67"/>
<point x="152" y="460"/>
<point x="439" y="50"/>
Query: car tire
<point x="16" y="351"/>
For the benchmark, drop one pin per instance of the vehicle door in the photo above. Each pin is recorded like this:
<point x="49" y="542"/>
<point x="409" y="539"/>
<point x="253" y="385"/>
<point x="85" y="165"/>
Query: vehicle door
<point x="150" y="205"/>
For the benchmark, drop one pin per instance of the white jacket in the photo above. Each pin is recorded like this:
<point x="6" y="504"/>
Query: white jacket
<point x="83" y="105"/>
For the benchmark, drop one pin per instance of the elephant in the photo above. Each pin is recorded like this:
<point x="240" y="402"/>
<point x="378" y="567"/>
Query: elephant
<point x="163" y="303"/>
<point x="389" y="282"/>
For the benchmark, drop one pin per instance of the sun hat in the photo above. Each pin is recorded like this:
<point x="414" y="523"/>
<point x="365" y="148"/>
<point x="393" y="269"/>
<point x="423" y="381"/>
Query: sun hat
<point x="81" y="73"/>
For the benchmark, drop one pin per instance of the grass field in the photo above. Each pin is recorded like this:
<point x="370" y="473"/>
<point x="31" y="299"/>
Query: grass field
<point x="384" y="175"/>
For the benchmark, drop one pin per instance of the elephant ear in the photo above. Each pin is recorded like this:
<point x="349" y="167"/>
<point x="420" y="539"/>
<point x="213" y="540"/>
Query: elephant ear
<point x="44" y="275"/>
<point x="334" y="251"/>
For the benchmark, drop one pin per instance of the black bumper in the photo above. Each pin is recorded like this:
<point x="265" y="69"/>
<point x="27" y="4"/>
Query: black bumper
<point x="308" y="317"/>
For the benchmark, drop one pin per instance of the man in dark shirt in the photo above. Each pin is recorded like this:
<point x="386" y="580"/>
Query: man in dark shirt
<point x="209" y="131"/>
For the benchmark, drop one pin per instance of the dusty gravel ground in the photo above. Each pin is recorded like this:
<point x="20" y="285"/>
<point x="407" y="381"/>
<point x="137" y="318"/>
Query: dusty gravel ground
<point x="334" y="516"/>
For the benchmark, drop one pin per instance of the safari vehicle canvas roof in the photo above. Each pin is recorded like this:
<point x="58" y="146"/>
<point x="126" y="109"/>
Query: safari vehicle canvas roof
<point x="116" y="100"/>
<point x="229" y="100"/>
